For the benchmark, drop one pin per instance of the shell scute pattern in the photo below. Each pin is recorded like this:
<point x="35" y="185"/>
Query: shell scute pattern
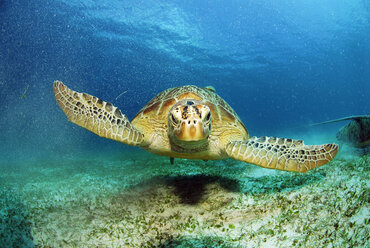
<point x="161" y="104"/>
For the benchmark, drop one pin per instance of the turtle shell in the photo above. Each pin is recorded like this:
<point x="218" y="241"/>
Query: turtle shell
<point x="152" y="119"/>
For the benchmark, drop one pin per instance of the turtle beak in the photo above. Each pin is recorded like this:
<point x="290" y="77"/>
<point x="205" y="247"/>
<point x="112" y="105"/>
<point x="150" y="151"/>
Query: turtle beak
<point x="191" y="130"/>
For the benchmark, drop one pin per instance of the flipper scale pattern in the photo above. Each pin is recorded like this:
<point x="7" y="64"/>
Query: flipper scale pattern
<point x="96" y="115"/>
<point x="281" y="153"/>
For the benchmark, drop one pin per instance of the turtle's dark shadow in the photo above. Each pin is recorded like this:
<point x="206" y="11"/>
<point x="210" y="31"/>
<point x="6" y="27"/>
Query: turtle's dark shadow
<point x="191" y="189"/>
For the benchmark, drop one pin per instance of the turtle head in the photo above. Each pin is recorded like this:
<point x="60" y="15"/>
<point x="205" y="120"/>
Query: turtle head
<point x="189" y="120"/>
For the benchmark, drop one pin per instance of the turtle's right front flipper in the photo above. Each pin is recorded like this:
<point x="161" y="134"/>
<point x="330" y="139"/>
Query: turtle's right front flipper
<point x="97" y="116"/>
<point x="281" y="154"/>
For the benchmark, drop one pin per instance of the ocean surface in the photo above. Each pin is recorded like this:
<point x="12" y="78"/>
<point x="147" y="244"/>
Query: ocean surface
<point x="282" y="65"/>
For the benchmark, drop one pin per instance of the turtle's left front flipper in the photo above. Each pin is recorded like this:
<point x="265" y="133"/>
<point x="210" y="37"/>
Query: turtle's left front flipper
<point x="97" y="116"/>
<point x="281" y="154"/>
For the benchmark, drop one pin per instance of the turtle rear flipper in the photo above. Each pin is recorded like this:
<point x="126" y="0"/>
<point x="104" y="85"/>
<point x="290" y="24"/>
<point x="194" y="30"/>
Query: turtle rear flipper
<point x="97" y="116"/>
<point x="281" y="154"/>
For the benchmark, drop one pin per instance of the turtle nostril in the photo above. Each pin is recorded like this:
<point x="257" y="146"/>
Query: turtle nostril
<point x="188" y="122"/>
<point x="195" y="122"/>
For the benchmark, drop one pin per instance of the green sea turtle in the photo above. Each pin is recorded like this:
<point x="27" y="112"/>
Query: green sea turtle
<point x="356" y="133"/>
<point x="190" y="122"/>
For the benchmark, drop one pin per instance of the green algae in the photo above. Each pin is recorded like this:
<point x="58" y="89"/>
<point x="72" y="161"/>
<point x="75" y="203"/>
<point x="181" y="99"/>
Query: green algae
<point x="144" y="201"/>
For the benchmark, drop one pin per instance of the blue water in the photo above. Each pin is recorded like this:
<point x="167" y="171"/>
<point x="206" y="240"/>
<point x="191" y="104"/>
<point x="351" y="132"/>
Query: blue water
<point x="280" y="64"/>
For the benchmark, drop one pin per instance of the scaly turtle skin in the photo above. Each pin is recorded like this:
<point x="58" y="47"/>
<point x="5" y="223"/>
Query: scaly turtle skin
<point x="190" y="122"/>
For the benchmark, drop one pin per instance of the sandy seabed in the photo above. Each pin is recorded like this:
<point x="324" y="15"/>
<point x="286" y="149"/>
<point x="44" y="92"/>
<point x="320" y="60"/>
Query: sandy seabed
<point x="141" y="200"/>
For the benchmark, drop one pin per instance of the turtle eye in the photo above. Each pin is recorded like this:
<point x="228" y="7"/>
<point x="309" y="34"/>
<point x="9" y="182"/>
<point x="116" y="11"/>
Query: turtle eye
<point x="174" y="119"/>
